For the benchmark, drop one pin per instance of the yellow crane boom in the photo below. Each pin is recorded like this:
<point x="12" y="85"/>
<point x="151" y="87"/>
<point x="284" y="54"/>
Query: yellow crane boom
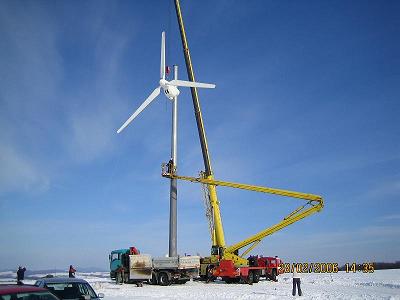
<point x="314" y="204"/>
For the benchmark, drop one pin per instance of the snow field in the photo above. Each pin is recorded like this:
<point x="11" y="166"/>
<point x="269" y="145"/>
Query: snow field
<point x="382" y="284"/>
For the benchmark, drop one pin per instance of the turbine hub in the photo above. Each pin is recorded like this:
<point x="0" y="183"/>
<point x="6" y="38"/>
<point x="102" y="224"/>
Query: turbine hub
<point x="163" y="82"/>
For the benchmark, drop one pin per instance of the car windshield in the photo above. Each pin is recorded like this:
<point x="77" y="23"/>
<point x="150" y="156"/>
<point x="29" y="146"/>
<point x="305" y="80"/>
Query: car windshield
<point x="72" y="290"/>
<point x="29" y="296"/>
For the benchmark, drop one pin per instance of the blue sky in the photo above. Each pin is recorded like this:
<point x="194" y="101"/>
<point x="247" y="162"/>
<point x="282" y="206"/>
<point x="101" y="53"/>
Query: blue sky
<point x="307" y="99"/>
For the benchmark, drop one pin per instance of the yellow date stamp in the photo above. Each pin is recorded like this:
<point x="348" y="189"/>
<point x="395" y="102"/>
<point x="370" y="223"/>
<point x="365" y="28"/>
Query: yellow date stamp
<point x="313" y="267"/>
<point x="326" y="267"/>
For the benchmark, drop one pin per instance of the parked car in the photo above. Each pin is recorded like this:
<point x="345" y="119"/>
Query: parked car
<point x="25" y="292"/>
<point x="69" y="288"/>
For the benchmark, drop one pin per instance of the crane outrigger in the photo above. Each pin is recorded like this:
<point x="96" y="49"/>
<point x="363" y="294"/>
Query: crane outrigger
<point x="225" y="261"/>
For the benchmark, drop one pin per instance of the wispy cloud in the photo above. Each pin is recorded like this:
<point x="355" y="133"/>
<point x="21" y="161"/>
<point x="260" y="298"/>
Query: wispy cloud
<point x="39" y="106"/>
<point x="380" y="231"/>
<point x="32" y="68"/>
<point x="392" y="217"/>
<point x="90" y="135"/>
<point x="30" y="71"/>
<point x="385" y="189"/>
<point x="20" y="173"/>
<point x="92" y="128"/>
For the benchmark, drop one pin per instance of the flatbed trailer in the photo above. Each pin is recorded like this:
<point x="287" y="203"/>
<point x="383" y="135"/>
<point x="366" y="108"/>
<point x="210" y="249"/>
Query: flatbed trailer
<point x="129" y="266"/>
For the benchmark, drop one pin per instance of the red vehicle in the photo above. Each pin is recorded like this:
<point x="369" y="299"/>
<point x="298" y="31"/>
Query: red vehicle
<point x="270" y="266"/>
<point x="16" y="292"/>
<point x="267" y="267"/>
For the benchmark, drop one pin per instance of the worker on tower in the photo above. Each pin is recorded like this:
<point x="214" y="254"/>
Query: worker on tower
<point x="170" y="166"/>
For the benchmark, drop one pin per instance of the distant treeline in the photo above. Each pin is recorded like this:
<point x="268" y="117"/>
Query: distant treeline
<point x="380" y="266"/>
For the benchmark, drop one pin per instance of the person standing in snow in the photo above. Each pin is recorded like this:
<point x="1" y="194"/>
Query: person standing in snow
<point x="20" y="275"/>
<point x="71" y="272"/>
<point x="296" y="281"/>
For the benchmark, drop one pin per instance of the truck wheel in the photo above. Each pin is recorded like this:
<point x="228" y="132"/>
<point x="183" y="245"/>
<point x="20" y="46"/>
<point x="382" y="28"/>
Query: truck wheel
<point x="273" y="276"/>
<point x="163" y="279"/>
<point x="153" y="280"/>
<point x="256" y="276"/>
<point x="250" y="277"/>
<point x="227" y="279"/>
<point x="210" y="276"/>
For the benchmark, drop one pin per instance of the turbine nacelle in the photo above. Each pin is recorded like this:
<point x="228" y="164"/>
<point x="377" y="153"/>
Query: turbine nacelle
<point x="170" y="88"/>
<point x="170" y="91"/>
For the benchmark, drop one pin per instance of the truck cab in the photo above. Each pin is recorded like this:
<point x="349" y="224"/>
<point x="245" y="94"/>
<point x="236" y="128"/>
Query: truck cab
<point x="271" y="266"/>
<point x="117" y="261"/>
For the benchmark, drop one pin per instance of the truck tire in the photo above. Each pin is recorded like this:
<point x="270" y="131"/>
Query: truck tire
<point x="163" y="279"/>
<point x="256" y="276"/>
<point x="227" y="279"/>
<point x="250" y="277"/>
<point x="273" y="275"/>
<point x="153" y="280"/>
<point x="210" y="276"/>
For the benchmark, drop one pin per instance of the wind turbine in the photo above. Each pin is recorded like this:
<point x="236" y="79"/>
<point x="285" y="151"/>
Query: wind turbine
<point x="170" y="88"/>
<point x="171" y="92"/>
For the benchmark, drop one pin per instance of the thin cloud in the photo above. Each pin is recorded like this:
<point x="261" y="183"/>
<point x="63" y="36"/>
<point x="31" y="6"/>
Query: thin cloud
<point x="20" y="173"/>
<point x="90" y="135"/>
<point x="92" y="129"/>
<point x="386" y="189"/>
<point x="390" y="217"/>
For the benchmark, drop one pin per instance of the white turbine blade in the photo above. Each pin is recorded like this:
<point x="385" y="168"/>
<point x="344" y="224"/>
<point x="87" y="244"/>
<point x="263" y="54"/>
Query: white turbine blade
<point x="146" y="102"/>
<point x="192" y="84"/>
<point x="162" y="66"/>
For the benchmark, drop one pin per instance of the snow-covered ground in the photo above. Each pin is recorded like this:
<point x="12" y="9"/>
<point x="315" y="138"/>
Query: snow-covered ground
<point x="382" y="284"/>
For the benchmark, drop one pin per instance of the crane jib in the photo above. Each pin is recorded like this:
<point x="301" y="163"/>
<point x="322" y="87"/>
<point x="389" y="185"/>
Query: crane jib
<point x="314" y="201"/>
<point x="314" y="204"/>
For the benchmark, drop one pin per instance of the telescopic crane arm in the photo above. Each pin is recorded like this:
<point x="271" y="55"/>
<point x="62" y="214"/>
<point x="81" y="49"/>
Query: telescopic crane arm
<point x="314" y="204"/>
<point x="218" y="236"/>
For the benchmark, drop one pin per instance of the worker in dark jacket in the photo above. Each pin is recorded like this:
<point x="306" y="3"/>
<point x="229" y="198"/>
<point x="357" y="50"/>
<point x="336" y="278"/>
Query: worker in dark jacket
<point x="71" y="272"/>
<point x="20" y="275"/>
